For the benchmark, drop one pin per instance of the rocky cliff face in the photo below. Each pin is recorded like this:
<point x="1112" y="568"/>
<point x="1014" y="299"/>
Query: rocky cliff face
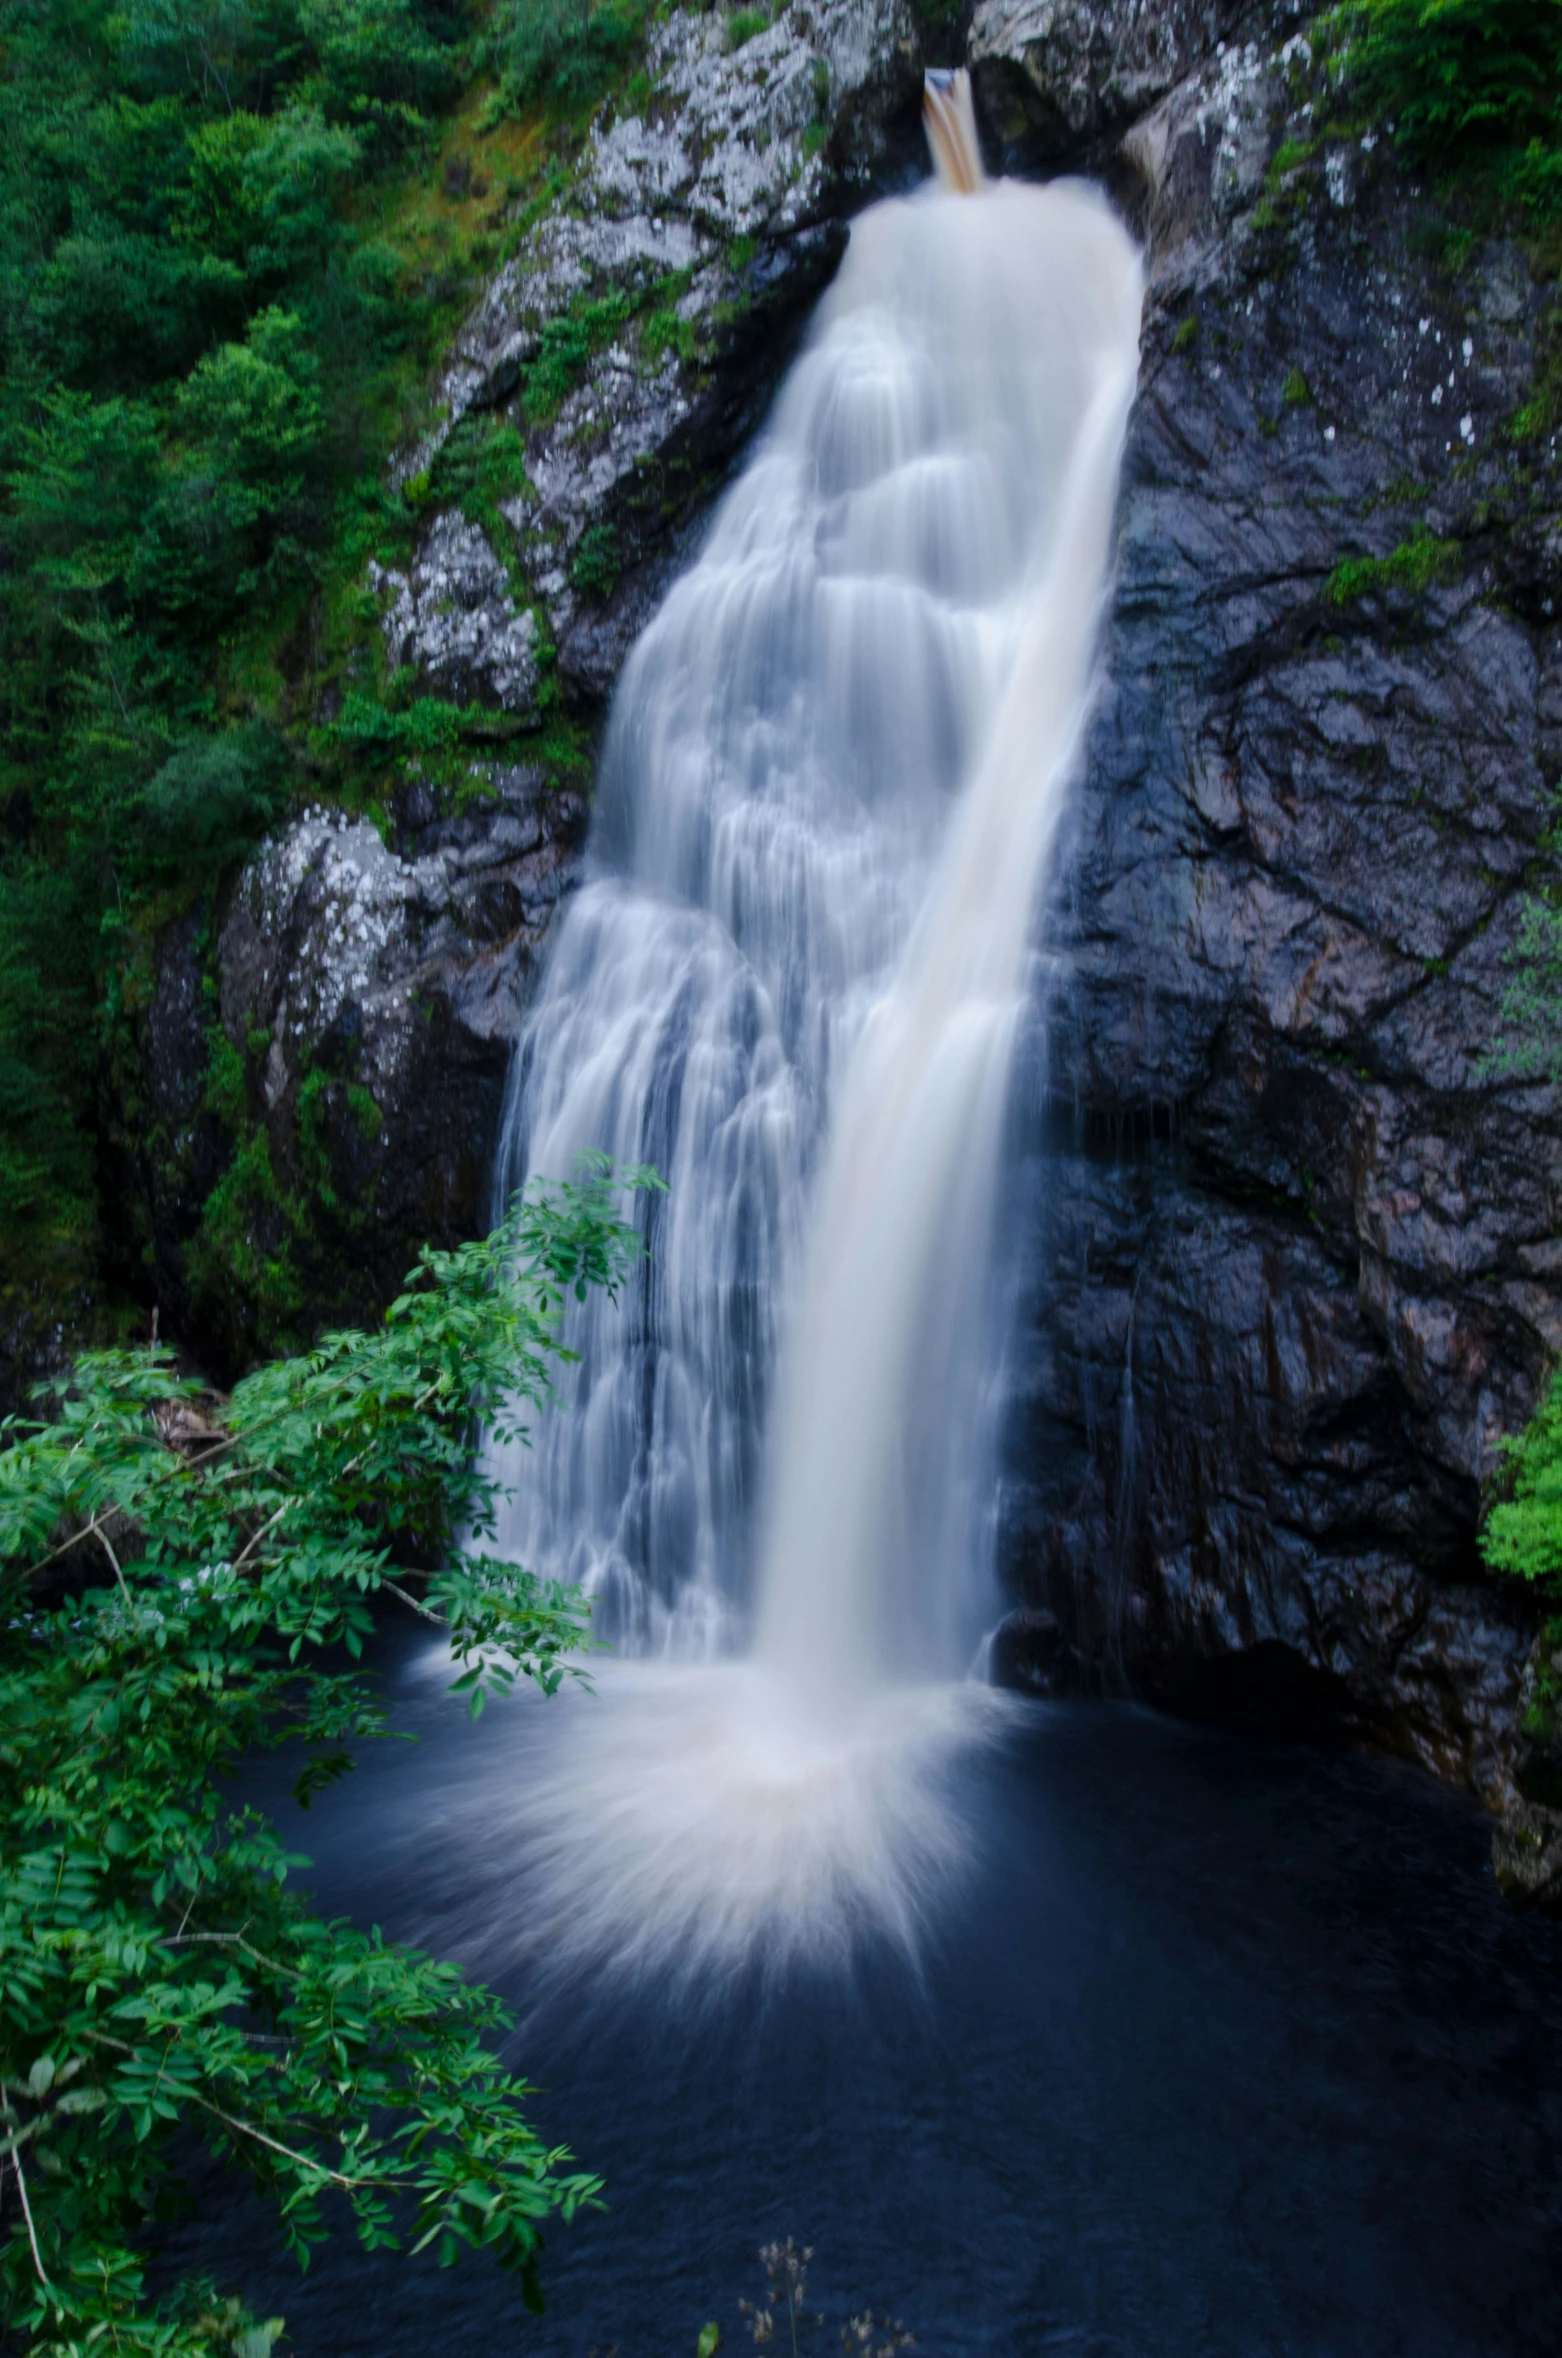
<point x="722" y="194"/>
<point x="1289" y="1252"/>
<point x="1292" y="1260"/>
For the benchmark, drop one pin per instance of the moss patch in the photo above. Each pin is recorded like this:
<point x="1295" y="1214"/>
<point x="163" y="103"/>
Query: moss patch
<point x="1412" y="568"/>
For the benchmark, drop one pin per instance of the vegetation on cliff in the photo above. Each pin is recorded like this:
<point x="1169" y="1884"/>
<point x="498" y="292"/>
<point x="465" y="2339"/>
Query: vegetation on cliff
<point x="1473" y="86"/>
<point x="234" y="235"/>
<point x="1472" y="90"/>
<point x="161" y="1988"/>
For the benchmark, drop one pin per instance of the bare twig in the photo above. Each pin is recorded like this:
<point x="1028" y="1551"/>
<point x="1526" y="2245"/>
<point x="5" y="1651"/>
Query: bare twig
<point x="407" y="1598"/>
<point x="305" y="2161"/>
<point x="39" y="2269"/>
<point x="124" y="1585"/>
<point x="250" y="1545"/>
<point x="230" y="1940"/>
<point x="231" y="2120"/>
<point x="86" y="1532"/>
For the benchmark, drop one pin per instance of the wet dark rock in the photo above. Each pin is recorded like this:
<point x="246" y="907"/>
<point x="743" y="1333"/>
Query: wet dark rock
<point x="1031" y="1654"/>
<point x="1526" y="1854"/>
<point x="1292" y="1257"/>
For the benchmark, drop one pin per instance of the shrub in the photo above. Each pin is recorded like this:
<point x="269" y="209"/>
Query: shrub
<point x="595" y="568"/>
<point x="158" y="1979"/>
<point x="1523" y="1534"/>
<point x="1456" y="74"/>
<point x="1467" y="85"/>
<point x="567" y="51"/>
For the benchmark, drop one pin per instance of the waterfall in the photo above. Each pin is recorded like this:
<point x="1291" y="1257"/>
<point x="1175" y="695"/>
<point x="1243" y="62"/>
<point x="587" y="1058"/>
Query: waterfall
<point x="834" y="770"/>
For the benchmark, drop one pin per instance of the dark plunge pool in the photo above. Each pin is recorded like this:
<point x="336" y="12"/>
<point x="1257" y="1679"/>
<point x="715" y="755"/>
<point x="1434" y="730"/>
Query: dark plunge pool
<point x="1218" y="2048"/>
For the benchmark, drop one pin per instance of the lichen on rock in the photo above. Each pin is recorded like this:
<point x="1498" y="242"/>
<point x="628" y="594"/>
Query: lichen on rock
<point x="451" y="619"/>
<point x="1066" y="73"/>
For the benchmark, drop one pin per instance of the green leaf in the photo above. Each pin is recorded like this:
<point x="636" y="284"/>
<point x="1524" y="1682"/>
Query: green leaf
<point x="160" y="1974"/>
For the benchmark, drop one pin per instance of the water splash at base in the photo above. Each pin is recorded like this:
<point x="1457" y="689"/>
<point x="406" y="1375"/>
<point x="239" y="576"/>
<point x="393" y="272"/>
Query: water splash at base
<point x="691" y="1821"/>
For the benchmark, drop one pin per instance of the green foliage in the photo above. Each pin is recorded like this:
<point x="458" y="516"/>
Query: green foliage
<point x="1412" y="567"/>
<point x="1468" y="85"/>
<point x="662" y="331"/>
<point x="1523" y="1531"/>
<point x="595" y="567"/>
<point x="482" y="463"/>
<point x="1530" y="1046"/>
<point x="1456" y="74"/>
<point x="201" y="337"/>
<point x="1295" y="393"/>
<point x="428" y="724"/>
<point x="565" y="346"/>
<point x="211" y="798"/>
<point x="160" y="1985"/>
<point x="567" y="51"/>
<point x="1289" y="157"/>
<point x="743" y="25"/>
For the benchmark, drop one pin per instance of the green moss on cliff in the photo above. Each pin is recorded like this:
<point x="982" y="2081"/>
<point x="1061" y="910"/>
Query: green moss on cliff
<point x="1413" y="567"/>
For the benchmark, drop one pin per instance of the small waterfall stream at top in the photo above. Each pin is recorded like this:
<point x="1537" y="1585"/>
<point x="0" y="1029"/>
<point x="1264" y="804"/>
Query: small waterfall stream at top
<point x="833" y="775"/>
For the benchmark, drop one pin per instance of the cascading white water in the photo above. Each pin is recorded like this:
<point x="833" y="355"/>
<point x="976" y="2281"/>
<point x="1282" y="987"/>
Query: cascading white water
<point x="836" y="764"/>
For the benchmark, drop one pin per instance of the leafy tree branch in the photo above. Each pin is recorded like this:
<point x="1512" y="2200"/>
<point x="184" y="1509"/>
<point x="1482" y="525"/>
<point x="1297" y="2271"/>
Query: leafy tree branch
<point x="157" y="1973"/>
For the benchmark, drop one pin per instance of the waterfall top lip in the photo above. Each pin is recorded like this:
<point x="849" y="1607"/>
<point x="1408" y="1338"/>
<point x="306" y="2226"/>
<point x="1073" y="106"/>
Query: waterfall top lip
<point x="949" y="118"/>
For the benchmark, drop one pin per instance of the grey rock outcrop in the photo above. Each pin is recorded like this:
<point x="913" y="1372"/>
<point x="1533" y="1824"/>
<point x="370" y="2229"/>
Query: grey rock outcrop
<point x="1062" y="75"/>
<point x="337" y="946"/>
<point x="369" y="997"/>
<point x="692" y="237"/>
<point x="1294" y="1265"/>
<point x="451" y="619"/>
